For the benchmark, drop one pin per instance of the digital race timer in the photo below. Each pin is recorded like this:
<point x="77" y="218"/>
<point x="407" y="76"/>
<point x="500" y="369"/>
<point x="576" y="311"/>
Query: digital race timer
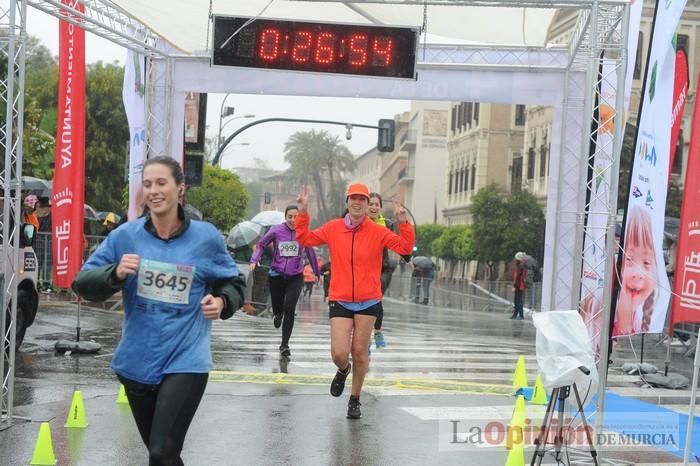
<point x="319" y="47"/>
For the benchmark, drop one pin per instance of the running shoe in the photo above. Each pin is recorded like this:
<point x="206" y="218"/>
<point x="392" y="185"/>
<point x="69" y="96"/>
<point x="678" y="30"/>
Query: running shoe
<point x="277" y="321"/>
<point x="379" y="340"/>
<point x="284" y="351"/>
<point x="338" y="384"/>
<point x="354" y="408"/>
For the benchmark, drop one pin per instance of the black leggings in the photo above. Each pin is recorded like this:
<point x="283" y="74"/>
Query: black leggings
<point x="163" y="413"/>
<point x="386" y="281"/>
<point x="284" y="294"/>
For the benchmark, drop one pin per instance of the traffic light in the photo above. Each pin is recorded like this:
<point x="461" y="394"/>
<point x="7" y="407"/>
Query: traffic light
<point x="385" y="135"/>
<point x="268" y="198"/>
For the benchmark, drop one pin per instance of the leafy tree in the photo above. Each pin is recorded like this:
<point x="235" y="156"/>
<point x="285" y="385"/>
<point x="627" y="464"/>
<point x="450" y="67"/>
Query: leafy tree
<point x="313" y="154"/>
<point x="106" y="136"/>
<point x="491" y="220"/>
<point x="39" y="109"/>
<point x="222" y="198"/>
<point x="504" y="224"/>
<point x="425" y="236"/>
<point x="454" y="244"/>
<point x="38" y="146"/>
<point x="674" y="199"/>
<point x="464" y="244"/>
<point x="526" y="227"/>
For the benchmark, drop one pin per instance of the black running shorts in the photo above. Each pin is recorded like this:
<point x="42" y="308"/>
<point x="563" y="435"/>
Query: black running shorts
<point x="337" y="310"/>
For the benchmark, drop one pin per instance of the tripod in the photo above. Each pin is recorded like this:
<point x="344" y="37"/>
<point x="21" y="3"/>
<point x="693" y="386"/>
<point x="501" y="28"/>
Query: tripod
<point x="558" y="398"/>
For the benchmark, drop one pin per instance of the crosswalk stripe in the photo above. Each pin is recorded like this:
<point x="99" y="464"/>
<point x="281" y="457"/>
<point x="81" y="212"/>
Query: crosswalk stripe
<point x="409" y="353"/>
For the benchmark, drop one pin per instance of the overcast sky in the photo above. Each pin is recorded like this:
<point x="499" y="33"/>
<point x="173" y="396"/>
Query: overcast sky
<point x="267" y="140"/>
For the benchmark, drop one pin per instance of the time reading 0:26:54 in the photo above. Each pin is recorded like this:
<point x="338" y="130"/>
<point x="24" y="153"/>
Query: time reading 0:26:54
<point x="316" y="47"/>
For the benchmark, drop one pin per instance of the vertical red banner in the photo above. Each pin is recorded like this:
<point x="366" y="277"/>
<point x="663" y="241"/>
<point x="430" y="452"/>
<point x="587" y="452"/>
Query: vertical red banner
<point x="685" y="303"/>
<point x="680" y="95"/>
<point x="68" y="199"/>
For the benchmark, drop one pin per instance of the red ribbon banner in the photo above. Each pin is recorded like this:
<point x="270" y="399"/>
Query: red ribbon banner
<point x="68" y="198"/>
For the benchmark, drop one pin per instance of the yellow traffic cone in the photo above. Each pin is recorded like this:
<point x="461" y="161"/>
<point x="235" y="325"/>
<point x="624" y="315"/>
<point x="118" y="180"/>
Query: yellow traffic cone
<point x="516" y="427"/>
<point x="43" y="450"/>
<point x="519" y="408"/>
<point x="516" y="455"/>
<point x="121" y="398"/>
<point x="76" y="416"/>
<point x="539" y="396"/>
<point x="520" y="374"/>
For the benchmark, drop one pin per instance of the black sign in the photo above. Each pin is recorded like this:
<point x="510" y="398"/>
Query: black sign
<point x="320" y="47"/>
<point x="194" y="169"/>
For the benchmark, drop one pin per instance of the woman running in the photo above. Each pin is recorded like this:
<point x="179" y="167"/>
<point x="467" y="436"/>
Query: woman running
<point x="356" y="247"/>
<point x="374" y="212"/>
<point x="286" y="272"/>
<point x="175" y="277"/>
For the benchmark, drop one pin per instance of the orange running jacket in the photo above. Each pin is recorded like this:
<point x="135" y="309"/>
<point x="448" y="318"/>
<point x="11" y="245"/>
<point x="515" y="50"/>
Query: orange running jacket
<point x="356" y="255"/>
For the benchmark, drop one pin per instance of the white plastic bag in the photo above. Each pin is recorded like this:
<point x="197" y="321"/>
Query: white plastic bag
<point x="565" y="353"/>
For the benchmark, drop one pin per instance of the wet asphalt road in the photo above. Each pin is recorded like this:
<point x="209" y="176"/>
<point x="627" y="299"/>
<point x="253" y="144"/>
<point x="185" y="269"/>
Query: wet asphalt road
<point x="440" y="365"/>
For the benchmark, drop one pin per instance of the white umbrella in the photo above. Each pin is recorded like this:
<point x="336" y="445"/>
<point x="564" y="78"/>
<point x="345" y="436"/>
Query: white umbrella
<point x="268" y="218"/>
<point x="243" y="234"/>
<point x="423" y="262"/>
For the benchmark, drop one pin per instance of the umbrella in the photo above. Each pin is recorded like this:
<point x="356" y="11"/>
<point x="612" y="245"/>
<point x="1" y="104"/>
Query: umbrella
<point x="41" y="188"/>
<point x="423" y="262"/>
<point x="91" y="213"/>
<point x="109" y="216"/>
<point x="268" y="218"/>
<point x="244" y="233"/>
<point x="193" y="212"/>
<point x="530" y="261"/>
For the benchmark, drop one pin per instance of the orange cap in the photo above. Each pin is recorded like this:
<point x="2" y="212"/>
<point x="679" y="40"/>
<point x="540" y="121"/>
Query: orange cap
<point x="357" y="189"/>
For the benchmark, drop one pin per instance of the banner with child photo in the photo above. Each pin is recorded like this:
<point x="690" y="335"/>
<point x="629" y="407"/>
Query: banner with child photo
<point x="644" y="290"/>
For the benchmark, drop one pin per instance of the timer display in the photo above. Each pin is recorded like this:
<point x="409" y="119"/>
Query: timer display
<point x="318" y="47"/>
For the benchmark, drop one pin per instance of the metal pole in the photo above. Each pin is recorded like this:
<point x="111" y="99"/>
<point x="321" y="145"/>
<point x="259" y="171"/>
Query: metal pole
<point x="611" y="242"/>
<point x="691" y="410"/>
<point x="221" y="118"/>
<point x="217" y="156"/>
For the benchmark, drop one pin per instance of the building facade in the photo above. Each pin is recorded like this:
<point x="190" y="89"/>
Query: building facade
<point x="485" y="146"/>
<point x="425" y="145"/>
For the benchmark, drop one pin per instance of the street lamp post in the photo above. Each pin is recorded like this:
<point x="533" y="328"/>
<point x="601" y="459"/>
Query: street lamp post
<point x="226" y="123"/>
<point x="222" y="114"/>
<point x="234" y="144"/>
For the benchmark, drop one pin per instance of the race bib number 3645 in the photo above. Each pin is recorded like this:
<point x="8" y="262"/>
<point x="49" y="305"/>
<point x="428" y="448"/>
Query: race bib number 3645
<point x="163" y="281"/>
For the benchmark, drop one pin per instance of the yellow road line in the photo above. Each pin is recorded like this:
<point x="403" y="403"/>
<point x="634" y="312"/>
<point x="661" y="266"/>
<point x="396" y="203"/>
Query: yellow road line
<point x="427" y="385"/>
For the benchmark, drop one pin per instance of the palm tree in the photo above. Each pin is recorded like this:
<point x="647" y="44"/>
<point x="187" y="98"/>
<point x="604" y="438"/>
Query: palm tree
<point x="310" y="154"/>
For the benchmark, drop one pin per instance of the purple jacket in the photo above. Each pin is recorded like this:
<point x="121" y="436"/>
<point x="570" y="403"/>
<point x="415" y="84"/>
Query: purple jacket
<point x="287" y="260"/>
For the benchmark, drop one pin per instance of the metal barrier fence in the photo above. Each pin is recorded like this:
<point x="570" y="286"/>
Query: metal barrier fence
<point x="42" y="248"/>
<point x="460" y="294"/>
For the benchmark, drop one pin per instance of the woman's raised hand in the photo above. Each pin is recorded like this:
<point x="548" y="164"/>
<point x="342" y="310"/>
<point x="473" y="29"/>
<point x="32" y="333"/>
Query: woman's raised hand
<point x="399" y="211"/>
<point x="303" y="199"/>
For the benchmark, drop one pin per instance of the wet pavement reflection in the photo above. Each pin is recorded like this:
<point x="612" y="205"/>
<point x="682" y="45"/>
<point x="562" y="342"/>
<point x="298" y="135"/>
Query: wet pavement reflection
<point x="260" y="408"/>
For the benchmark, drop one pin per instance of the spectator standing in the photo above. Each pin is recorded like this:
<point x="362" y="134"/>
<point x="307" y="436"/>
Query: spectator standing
<point x="519" y="287"/>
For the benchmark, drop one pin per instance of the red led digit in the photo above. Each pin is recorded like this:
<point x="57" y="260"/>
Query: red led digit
<point x="301" y="51"/>
<point x="358" y="50"/>
<point x="382" y="51"/>
<point x="325" y="48"/>
<point x="269" y="44"/>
